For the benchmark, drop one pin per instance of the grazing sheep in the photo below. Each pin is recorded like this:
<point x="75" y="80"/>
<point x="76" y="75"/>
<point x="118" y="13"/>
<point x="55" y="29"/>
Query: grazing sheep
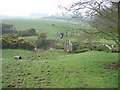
<point x="17" y="57"/>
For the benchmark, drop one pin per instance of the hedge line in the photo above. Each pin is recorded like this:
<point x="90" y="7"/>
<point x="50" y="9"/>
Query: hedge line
<point x="15" y="43"/>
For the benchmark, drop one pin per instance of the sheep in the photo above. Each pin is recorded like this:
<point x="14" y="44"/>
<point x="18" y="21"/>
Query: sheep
<point x="17" y="57"/>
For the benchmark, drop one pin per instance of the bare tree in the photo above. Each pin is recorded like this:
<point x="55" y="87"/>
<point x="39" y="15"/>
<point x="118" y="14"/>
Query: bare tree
<point x="102" y="14"/>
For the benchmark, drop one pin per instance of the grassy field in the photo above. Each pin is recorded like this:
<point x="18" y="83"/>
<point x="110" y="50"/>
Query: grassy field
<point x="42" y="25"/>
<point x="57" y="69"/>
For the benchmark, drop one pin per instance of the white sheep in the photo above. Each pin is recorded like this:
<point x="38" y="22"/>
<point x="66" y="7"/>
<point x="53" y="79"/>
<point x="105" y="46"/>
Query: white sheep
<point x="17" y="57"/>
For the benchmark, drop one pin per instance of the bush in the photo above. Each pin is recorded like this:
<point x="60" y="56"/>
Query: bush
<point x="84" y="40"/>
<point x="41" y="41"/>
<point x="42" y="35"/>
<point x="12" y="36"/>
<point x="8" y="29"/>
<point x="76" y="46"/>
<point x="30" y="32"/>
<point x="15" y="43"/>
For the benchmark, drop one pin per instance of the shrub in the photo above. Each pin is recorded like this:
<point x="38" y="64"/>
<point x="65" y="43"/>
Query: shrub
<point x="84" y="40"/>
<point x="41" y="41"/>
<point x="42" y="35"/>
<point x="12" y="36"/>
<point x="15" y="43"/>
<point x="8" y="29"/>
<point x="76" y="46"/>
<point x="30" y="32"/>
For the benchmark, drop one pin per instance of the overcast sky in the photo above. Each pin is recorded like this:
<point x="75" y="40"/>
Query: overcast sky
<point x="26" y="7"/>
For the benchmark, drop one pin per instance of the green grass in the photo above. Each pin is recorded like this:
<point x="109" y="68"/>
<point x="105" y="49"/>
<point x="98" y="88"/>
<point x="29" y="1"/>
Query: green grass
<point x="42" y="25"/>
<point x="56" y="69"/>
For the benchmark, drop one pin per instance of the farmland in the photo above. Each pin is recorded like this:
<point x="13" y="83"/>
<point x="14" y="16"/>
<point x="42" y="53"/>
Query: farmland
<point x="56" y="68"/>
<point x="45" y="26"/>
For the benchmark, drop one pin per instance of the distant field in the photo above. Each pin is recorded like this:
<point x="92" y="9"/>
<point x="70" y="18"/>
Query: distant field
<point x="45" y="25"/>
<point x="56" y="69"/>
<point x="42" y="25"/>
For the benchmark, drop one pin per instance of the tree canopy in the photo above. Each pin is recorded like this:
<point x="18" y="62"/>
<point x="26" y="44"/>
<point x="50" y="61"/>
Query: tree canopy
<point x="101" y="14"/>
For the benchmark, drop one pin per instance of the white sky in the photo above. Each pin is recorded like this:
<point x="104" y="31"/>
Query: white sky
<point x="26" y="7"/>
